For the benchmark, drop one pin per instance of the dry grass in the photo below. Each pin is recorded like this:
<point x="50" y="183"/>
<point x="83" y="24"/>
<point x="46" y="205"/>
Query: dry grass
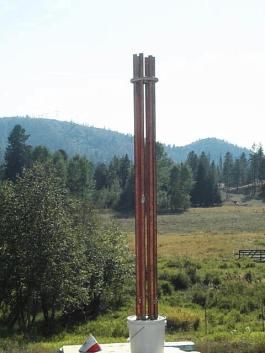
<point x="205" y="245"/>
<point x="204" y="232"/>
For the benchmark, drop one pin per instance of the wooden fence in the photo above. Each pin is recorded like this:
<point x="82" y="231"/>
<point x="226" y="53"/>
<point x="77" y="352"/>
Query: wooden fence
<point x="258" y="255"/>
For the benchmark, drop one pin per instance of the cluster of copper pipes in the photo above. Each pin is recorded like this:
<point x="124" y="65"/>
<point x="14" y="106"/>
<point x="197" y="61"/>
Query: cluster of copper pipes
<point x="145" y="187"/>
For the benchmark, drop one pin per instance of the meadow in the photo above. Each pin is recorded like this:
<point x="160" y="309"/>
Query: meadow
<point x="206" y="292"/>
<point x="207" y="232"/>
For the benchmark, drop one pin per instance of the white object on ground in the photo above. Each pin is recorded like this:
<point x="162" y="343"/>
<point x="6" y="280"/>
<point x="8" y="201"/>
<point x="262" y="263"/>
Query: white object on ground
<point x="146" y="336"/>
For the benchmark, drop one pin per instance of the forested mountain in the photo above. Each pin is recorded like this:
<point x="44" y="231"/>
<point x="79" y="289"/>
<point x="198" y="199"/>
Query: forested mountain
<point x="100" y="145"/>
<point x="213" y="147"/>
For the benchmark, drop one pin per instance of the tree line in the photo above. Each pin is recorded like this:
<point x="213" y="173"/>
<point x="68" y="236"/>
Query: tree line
<point x="195" y="182"/>
<point x="111" y="185"/>
<point x="245" y="170"/>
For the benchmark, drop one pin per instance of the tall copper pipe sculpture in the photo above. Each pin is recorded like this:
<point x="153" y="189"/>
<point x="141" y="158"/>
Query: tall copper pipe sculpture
<point x="145" y="187"/>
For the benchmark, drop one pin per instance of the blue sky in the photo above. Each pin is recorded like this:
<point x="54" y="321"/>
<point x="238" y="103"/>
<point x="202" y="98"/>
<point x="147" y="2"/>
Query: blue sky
<point x="72" y="60"/>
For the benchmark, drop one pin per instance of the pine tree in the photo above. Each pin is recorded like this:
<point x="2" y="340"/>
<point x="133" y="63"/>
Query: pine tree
<point x="205" y="189"/>
<point x="179" y="187"/>
<point x="199" y="190"/>
<point x="17" y="156"/>
<point x="192" y="161"/>
<point x="228" y="169"/>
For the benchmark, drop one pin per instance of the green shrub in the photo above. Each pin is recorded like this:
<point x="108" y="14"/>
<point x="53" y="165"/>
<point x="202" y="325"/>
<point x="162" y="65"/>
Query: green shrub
<point x="165" y="288"/>
<point x="232" y="318"/>
<point x="248" y="276"/>
<point x="192" y="273"/>
<point x="188" y="264"/>
<point x="223" y="266"/>
<point x="180" y="280"/>
<point x="165" y="275"/>
<point x="225" y="303"/>
<point x="199" y="297"/>
<point x="211" y="279"/>
<point x="248" y="306"/>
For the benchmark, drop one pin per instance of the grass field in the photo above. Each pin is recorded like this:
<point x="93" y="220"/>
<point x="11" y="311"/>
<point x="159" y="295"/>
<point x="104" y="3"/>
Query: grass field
<point x="208" y="239"/>
<point x="207" y="232"/>
<point x="227" y="219"/>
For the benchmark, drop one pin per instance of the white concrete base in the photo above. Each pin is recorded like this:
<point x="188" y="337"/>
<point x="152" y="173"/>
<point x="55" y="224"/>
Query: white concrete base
<point x="169" y="347"/>
<point x="146" y="336"/>
<point x="108" y="348"/>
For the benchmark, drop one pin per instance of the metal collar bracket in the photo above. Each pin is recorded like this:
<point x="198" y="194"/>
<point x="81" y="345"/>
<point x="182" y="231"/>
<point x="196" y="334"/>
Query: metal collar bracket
<point x="144" y="79"/>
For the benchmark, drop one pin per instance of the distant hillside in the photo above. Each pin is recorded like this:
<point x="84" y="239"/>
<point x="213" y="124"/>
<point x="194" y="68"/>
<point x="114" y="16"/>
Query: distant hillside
<point x="213" y="147"/>
<point x="96" y="144"/>
<point x="100" y="144"/>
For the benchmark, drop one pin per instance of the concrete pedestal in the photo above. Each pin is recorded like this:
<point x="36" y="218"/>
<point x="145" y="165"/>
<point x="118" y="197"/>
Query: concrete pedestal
<point x="169" y="347"/>
<point x="147" y="336"/>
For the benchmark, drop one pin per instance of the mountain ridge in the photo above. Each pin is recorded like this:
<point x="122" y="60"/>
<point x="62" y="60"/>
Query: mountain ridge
<point x="100" y="145"/>
<point x="213" y="147"/>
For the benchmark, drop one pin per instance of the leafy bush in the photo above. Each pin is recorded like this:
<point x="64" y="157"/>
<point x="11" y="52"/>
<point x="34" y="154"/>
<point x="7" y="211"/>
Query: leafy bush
<point x="199" y="297"/>
<point x="248" y="306"/>
<point x="193" y="275"/>
<point x="56" y="256"/>
<point x="165" y="275"/>
<point x="211" y="279"/>
<point x="225" y="303"/>
<point x="248" y="276"/>
<point x="180" y="280"/>
<point x="165" y="288"/>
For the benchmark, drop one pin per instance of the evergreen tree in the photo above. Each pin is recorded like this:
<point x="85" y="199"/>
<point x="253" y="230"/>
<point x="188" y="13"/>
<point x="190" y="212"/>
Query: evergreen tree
<point x="261" y="164"/>
<point x="213" y="195"/>
<point x="228" y="169"/>
<point x="257" y="166"/>
<point x="179" y="187"/>
<point x="243" y="167"/>
<point x="164" y="165"/>
<point x="101" y="176"/>
<point x="205" y="189"/>
<point x="192" y="162"/>
<point x="126" y="200"/>
<point x="124" y="170"/>
<point x="41" y="154"/>
<point x="199" y="190"/>
<point x="17" y="156"/>
<point x="236" y="173"/>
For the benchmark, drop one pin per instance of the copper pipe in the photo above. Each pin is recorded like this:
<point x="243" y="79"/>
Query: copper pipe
<point x="154" y="210"/>
<point x="139" y="187"/>
<point x="151" y="190"/>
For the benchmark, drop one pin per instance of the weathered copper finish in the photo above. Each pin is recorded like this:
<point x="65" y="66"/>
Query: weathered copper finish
<point x="145" y="188"/>
<point x="151" y="190"/>
<point x="139" y="187"/>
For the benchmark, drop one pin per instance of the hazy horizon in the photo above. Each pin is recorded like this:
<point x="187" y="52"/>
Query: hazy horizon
<point x="72" y="60"/>
<point x="130" y="134"/>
